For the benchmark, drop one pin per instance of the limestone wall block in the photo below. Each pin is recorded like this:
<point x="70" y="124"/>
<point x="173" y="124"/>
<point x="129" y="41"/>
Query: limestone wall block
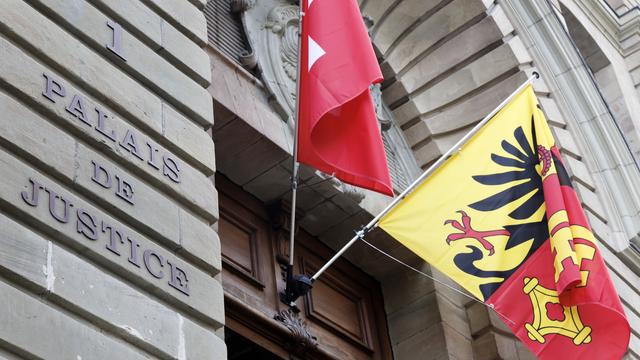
<point x="203" y="288"/>
<point x="566" y="143"/>
<point x="136" y="18"/>
<point x="398" y="19"/>
<point x="185" y="55"/>
<point x="88" y="288"/>
<point x="579" y="172"/>
<point x="144" y="321"/>
<point x="26" y="80"/>
<point x="193" y="142"/>
<point x="376" y="9"/>
<point x="474" y="108"/>
<point x="142" y="62"/>
<point x="200" y="243"/>
<point x="413" y="318"/>
<point x="24" y="254"/>
<point x="200" y="344"/>
<point x="454" y="316"/>
<point x="184" y="16"/>
<point x="80" y="63"/>
<point x="552" y="112"/>
<point x="404" y="286"/>
<point x="428" y="341"/>
<point x="38" y="140"/>
<point x="48" y="333"/>
<point x="458" y="345"/>
<point x="432" y="30"/>
<point x="469" y="78"/>
<point x="450" y="55"/>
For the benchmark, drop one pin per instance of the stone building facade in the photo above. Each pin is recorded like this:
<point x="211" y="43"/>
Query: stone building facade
<point x="146" y="154"/>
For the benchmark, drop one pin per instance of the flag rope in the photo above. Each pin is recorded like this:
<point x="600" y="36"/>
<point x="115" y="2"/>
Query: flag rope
<point x="436" y="280"/>
<point x="374" y="222"/>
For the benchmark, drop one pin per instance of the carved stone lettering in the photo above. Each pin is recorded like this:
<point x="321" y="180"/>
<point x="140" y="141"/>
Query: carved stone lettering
<point x="53" y="86"/>
<point x="178" y="278"/>
<point x="95" y="229"/>
<point x="153" y="150"/>
<point x="130" y="144"/>
<point x="170" y="169"/>
<point x="86" y="225"/>
<point x="77" y="108"/>
<point x="101" y="176"/>
<point x="104" y="178"/>
<point x="63" y="206"/>
<point x="101" y="125"/>
<point x="133" y="252"/>
<point x="116" y="41"/>
<point x="132" y="141"/>
<point x="146" y="257"/>
<point x="115" y="237"/>
<point x="31" y="196"/>
<point x="124" y="190"/>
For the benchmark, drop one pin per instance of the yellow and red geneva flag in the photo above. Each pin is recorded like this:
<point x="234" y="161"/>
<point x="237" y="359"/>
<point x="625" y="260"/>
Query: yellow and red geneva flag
<point x="501" y="218"/>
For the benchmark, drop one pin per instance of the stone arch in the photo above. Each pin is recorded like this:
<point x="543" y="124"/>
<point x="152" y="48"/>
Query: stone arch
<point x="446" y="65"/>
<point x="609" y="69"/>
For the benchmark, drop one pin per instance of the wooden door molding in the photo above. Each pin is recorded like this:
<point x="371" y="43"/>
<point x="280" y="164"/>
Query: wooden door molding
<point x="344" y="311"/>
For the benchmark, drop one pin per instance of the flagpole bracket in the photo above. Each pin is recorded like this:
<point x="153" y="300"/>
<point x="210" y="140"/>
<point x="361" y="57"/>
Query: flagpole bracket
<point x="296" y="286"/>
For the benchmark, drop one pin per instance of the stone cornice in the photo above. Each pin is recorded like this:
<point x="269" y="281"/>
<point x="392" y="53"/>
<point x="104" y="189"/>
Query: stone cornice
<point x="623" y="31"/>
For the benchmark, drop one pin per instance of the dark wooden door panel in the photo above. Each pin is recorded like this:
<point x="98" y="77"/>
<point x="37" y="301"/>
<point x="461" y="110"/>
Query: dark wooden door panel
<point x="344" y="311"/>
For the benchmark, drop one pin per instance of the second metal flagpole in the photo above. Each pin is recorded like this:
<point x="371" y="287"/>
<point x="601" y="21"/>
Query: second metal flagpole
<point x="374" y="222"/>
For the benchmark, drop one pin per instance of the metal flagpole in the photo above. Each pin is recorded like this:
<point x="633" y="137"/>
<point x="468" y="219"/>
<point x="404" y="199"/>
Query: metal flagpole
<point x="374" y="222"/>
<point x="294" y="170"/>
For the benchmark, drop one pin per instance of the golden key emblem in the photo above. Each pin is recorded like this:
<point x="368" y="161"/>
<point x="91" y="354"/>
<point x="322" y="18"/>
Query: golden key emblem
<point x="551" y="317"/>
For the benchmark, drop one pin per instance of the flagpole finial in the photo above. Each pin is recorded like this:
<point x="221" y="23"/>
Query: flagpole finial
<point x="536" y="74"/>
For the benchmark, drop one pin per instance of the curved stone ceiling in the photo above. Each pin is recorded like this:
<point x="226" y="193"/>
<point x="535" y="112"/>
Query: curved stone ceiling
<point x="446" y="65"/>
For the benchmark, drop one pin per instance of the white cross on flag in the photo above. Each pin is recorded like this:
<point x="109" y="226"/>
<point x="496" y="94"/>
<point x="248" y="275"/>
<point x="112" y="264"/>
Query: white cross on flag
<point x="338" y="130"/>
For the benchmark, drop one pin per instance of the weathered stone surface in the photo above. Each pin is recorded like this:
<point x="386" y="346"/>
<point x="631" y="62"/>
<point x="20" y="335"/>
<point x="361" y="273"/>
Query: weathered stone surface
<point x="458" y="346"/>
<point x="136" y="18"/>
<point x="405" y="286"/>
<point x="85" y="66"/>
<point x="485" y="347"/>
<point x="552" y="112"/>
<point x="566" y="143"/>
<point x="48" y="333"/>
<point x="66" y="279"/>
<point x="323" y="216"/>
<point x="579" y="172"/>
<point x="140" y="320"/>
<point x="412" y="318"/>
<point x="432" y="30"/>
<point x="202" y="287"/>
<point x="429" y="341"/>
<point x="454" y="316"/>
<point x="37" y="139"/>
<point x="24" y="253"/>
<point x="458" y="49"/>
<point x="192" y="140"/>
<point x="142" y="62"/>
<point x="397" y="20"/>
<point x="25" y="79"/>
<point x="184" y="16"/>
<point x="200" y="243"/>
<point x="202" y="344"/>
<point x="150" y="210"/>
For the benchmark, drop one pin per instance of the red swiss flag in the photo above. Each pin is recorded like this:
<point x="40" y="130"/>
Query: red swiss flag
<point x="338" y="129"/>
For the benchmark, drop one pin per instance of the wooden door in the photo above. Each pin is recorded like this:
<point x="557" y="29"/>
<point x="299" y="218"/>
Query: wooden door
<point x="341" y="318"/>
